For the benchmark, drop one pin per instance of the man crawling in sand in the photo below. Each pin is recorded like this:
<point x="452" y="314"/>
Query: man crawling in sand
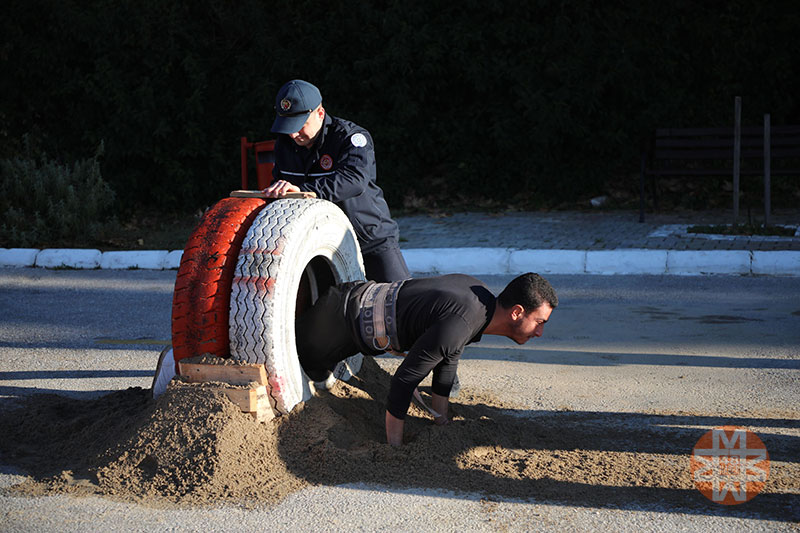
<point x="431" y="319"/>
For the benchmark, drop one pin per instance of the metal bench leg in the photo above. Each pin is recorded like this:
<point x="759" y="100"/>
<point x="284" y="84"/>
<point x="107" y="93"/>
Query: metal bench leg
<point x="641" y="191"/>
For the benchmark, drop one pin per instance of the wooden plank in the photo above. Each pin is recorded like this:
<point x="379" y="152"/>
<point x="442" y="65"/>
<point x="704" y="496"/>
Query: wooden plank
<point x="700" y="144"/>
<point x="779" y="151"/>
<point x="746" y="130"/>
<point x="720" y="171"/>
<point x="721" y="132"/>
<point x="785" y="141"/>
<point x="785" y="130"/>
<point x="726" y="155"/>
<point x="252" y="401"/>
<point x="259" y="194"/>
<point x="264" y="411"/>
<point x="245" y="399"/>
<point x="676" y="153"/>
<point x="748" y="153"/>
<point x="678" y="132"/>
<point x="233" y="374"/>
<point x="718" y="142"/>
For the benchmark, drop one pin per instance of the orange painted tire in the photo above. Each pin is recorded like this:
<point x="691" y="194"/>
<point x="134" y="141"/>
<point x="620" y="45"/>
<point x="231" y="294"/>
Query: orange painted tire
<point x="201" y="300"/>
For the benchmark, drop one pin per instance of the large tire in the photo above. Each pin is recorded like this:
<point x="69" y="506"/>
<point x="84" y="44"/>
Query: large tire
<point x="291" y="244"/>
<point x="201" y="301"/>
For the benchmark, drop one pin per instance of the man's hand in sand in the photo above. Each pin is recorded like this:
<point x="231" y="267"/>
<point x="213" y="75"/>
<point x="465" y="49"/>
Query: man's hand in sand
<point x="279" y="189"/>
<point x="394" y="425"/>
<point x="394" y="430"/>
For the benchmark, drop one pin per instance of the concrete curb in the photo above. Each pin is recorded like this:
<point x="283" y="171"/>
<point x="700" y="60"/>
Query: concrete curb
<point x="18" y="257"/>
<point x="626" y="262"/>
<point x="82" y="259"/>
<point x="465" y="260"/>
<point x="477" y="261"/>
<point x="68" y="258"/>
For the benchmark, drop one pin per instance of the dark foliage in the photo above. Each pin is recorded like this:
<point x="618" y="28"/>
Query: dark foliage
<point x="532" y="103"/>
<point x="46" y="203"/>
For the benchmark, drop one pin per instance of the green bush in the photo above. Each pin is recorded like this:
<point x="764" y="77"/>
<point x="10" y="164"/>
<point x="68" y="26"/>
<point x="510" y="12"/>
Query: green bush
<point x="43" y="202"/>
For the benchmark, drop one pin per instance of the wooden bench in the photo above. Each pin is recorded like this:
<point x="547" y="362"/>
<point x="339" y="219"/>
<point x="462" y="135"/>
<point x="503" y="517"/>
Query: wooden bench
<point x="703" y="152"/>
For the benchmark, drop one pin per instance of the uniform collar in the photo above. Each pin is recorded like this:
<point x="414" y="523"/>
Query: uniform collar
<point x="321" y="137"/>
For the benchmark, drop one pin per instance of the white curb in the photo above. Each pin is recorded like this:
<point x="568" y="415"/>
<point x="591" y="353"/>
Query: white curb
<point x="626" y="261"/>
<point x="68" y="258"/>
<point x="18" y="257"/>
<point x="475" y="261"/>
<point x="172" y="260"/>
<point x="694" y="262"/>
<point x="548" y="261"/>
<point x="776" y="263"/>
<point x="148" y="259"/>
<point x="465" y="260"/>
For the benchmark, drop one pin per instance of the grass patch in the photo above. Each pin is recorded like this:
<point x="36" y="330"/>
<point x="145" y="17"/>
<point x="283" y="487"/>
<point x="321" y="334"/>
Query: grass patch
<point x="152" y="230"/>
<point x="139" y="231"/>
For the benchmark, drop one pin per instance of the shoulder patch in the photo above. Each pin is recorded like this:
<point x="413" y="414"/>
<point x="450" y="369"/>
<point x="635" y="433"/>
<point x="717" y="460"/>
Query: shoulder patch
<point x="358" y="140"/>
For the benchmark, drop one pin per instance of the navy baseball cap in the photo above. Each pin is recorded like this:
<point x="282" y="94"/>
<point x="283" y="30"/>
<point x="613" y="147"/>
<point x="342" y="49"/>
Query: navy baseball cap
<point x="295" y="102"/>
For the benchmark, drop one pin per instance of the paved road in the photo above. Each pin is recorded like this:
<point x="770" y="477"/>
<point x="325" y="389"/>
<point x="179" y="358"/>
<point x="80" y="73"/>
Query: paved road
<point x="638" y="351"/>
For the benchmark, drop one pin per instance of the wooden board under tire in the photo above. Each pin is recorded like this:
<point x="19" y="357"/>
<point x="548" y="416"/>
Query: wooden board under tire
<point x="247" y="399"/>
<point x="240" y="374"/>
<point x="244" y="384"/>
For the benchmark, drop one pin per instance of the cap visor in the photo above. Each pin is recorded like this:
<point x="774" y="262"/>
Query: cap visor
<point x="289" y="124"/>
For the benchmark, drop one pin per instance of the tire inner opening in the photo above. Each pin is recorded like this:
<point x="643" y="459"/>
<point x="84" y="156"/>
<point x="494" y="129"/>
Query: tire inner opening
<point x="316" y="279"/>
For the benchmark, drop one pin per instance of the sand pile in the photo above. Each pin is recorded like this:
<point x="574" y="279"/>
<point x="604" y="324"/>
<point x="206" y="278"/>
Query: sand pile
<point x="192" y="446"/>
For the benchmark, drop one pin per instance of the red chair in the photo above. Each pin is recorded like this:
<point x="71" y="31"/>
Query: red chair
<point x="265" y="160"/>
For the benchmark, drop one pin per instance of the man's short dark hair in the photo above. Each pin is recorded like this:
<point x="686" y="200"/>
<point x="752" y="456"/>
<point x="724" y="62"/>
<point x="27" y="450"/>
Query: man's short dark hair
<point x="528" y="290"/>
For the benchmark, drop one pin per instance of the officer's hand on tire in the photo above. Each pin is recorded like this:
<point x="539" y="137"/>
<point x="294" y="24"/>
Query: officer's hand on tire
<point x="279" y="189"/>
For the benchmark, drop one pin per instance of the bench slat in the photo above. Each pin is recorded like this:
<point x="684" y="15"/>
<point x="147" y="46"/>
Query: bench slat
<point x="711" y="154"/>
<point x="748" y="130"/>
<point x="719" y="172"/>
<point x="754" y="142"/>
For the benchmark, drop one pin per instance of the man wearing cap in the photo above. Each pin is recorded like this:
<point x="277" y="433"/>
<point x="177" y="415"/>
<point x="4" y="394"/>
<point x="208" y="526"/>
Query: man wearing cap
<point x="430" y="318"/>
<point x="335" y="159"/>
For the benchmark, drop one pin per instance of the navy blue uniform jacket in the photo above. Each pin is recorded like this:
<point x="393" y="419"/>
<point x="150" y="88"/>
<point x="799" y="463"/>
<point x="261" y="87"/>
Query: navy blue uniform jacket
<point x="340" y="167"/>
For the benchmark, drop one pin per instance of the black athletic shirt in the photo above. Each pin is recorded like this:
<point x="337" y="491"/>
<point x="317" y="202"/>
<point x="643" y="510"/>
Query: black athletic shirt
<point x="436" y="318"/>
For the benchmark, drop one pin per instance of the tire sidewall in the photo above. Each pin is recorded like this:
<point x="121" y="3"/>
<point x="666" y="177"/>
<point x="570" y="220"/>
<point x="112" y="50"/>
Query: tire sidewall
<point x="266" y="282"/>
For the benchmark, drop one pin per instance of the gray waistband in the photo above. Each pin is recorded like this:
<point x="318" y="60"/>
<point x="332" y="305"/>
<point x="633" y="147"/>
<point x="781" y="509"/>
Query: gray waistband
<point x="378" y="316"/>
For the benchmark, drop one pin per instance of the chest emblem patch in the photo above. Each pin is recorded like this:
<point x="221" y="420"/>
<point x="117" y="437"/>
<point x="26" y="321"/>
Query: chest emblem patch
<point x="358" y="140"/>
<point x="326" y="162"/>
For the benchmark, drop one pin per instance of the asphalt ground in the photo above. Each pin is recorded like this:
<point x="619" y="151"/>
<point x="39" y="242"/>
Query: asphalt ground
<point x="622" y="353"/>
